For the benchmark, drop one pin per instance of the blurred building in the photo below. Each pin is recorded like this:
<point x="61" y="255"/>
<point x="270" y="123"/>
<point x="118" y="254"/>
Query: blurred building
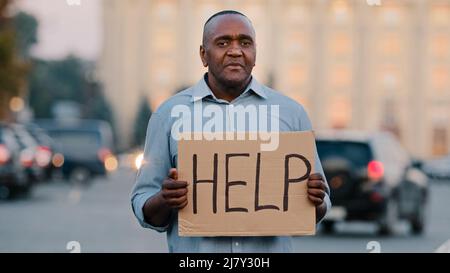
<point x="350" y="64"/>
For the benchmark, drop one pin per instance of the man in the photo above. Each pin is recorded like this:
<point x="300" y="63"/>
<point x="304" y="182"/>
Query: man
<point x="229" y="53"/>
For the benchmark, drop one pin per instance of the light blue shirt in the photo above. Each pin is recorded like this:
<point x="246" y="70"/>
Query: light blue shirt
<point x="161" y="150"/>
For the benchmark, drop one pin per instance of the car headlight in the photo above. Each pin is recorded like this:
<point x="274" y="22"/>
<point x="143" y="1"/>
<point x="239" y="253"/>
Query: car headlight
<point x="138" y="161"/>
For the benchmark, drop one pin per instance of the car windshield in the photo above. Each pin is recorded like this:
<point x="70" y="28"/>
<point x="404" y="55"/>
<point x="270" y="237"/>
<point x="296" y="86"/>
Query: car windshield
<point x="77" y="143"/>
<point x="357" y="153"/>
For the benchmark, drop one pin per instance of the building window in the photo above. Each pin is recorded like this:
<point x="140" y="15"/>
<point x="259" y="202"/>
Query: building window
<point x="340" y="112"/>
<point x="340" y="44"/>
<point x="340" y="11"/>
<point x="389" y="45"/>
<point x="164" y="11"/>
<point x="341" y="76"/>
<point x="440" y="46"/>
<point x="439" y="77"/>
<point x="296" y="14"/>
<point x="440" y="15"/>
<point x="440" y="141"/>
<point x="297" y="76"/>
<point x="391" y="15"/>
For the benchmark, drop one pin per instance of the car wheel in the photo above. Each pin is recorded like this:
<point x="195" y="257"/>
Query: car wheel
<point x="389" y="219"/>
<point x="418" y="220"/>
<point x="328" y="227"/>
<point x="5" y="192"/>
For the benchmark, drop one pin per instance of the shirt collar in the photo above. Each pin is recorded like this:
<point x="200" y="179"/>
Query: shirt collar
<point x="202" y="90"/>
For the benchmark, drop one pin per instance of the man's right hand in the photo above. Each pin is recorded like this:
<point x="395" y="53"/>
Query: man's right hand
<point x="174" y="192"/>
<point x="173" y="195"/>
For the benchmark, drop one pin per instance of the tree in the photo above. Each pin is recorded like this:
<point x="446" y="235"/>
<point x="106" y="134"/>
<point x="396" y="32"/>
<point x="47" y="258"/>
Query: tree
<point x="52" y="81"/>
<point x="26" y="27"/>
<point x="140" y="126"/>
<point x="13" y="71"/>
<point x="97" y="107"/>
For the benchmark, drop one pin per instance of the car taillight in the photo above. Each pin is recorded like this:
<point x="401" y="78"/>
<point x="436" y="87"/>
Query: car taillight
<point x="375" y="170"/>
<point x="26" y="158"/>
<point x="5" y="155"/>
<point x="43" y="156"/>
<point x="58" y="160"/>
<point x="103" y="153"/>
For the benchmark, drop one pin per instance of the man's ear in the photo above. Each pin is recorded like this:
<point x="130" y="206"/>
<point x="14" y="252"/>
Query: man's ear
<point x="203" y="56"/>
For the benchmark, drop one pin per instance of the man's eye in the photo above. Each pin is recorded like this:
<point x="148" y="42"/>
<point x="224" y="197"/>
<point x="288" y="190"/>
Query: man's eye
<point x="222" y="43"/>
<point x="246" y="43"/>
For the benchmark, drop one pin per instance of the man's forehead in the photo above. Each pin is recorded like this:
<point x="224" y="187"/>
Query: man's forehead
<point x="230" y="24"/>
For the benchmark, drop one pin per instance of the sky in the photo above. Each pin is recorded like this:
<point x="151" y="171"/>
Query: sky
<point x="66" y="28"/>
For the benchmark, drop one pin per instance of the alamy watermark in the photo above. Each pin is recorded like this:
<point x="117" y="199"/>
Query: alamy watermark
<point x="239" y="122"/>
<point x="73" y="247"/>
<point x="374" y="247"/>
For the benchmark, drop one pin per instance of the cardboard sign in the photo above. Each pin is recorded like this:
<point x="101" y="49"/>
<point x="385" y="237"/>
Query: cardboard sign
<point x="235" y="189"/>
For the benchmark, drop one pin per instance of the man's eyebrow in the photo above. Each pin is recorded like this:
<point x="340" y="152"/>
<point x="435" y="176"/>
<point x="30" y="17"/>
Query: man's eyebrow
<point x="231" y="37"/>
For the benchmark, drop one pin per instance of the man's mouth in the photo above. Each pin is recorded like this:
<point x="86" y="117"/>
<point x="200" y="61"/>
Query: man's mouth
<point x="235" y="66"/>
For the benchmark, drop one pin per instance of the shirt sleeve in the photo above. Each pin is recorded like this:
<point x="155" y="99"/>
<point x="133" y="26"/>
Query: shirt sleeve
<point x="305" y="125"/>
<point x="154" y="169"/>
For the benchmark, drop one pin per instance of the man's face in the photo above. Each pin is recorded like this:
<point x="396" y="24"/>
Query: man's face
<point x="229" y="50"/>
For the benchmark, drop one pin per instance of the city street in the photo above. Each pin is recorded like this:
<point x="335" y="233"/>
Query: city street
<point x="99" y="217"/>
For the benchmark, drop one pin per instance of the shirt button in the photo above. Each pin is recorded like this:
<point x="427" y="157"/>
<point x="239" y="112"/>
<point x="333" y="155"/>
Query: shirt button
<point x="236" y="244"/>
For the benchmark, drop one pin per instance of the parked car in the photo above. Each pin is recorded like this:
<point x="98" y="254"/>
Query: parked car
<point x="46" y="149"/>
<point x="13" y="178"/>
<point x="372" y="178"/>
<point x="30" y="153"/>
<point x="87" y="147"/>
<point x="438" y="168"/>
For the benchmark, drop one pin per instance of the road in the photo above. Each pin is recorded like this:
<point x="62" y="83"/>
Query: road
<point x="100" y="219"/>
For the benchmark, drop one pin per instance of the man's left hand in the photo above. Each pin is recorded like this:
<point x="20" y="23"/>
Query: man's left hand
<point x="316" y="189"/>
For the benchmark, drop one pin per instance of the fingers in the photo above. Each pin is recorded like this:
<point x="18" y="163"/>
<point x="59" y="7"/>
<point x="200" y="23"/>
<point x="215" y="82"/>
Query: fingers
<point x="315" y="200"/>
<point x="317" y="193"/>
<point x="174" y="193"/>
<point x="316" y="184"/>
<point x="179" y="202"/>
<point x="173" y="173"/>
<point x="316" y="188"/>
<point x="315" y="176"/>
<point x="182" y="205"/>
<point x="171" y="184"/>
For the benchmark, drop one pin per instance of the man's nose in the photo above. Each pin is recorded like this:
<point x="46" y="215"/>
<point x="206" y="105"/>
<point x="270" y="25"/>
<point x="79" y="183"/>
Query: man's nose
<point x="235" y="50"/>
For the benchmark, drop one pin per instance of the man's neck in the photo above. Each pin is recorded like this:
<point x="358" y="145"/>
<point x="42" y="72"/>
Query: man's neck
<point x="225" y="92"/>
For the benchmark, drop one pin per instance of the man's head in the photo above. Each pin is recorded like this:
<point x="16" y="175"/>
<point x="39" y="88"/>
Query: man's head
<point x="229" y="49"/>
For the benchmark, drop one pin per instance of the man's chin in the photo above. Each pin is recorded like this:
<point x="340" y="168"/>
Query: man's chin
<point x="235" y="81"/>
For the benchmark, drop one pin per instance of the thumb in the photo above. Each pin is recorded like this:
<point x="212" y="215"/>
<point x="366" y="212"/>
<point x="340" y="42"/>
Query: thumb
<point x="173" y="173"/>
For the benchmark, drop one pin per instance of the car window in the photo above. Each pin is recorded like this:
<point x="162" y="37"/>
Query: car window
<point x="77" y="143"/>
<point x="359" y="154"/>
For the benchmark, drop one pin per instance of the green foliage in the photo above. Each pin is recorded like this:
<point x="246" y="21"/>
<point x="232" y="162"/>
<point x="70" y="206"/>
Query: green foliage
<point x="140" y="126"/>
<point x="26" y="27"/>
<point x="12" y="68"/>
<point x="53" y="81"/>
<point x="68" y="79"/>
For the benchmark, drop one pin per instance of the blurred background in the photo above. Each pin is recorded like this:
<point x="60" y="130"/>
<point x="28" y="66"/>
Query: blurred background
<point x="79" y="80"/>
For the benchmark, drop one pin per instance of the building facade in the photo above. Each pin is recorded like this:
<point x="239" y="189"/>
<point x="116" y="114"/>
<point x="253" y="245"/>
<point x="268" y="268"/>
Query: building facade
<point x="350" y="64"/>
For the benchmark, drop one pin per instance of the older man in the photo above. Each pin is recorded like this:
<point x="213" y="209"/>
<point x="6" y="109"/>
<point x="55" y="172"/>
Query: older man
<point x="229" y="52"/>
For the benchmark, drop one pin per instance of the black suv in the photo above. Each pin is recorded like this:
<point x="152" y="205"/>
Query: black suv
<point x="13" y="178"/>
<point x="86" y="146"/>
<point x="372" y="178"/>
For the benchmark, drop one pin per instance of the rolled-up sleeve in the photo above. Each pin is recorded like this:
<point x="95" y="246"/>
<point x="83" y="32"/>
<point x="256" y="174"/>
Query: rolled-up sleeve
<point x="305" y="125"/>
<point x="154" y="169"/>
